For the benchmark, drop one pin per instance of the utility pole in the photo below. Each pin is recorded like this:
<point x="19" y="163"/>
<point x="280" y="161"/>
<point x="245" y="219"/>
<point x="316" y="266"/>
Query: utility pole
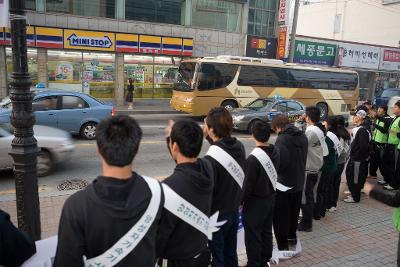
<point x="24" y="146"/>
<point x="294" y="29"/>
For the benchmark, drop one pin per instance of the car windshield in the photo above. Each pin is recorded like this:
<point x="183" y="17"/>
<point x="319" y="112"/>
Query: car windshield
<point x="390" y="93"/>
<point x="259" y="104"/>
<point x="185" y="76"/>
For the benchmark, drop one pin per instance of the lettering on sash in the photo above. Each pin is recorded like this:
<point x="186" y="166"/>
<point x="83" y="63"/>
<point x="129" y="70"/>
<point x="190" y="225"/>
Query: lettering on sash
<point x="229" y="163"/>
<point x="321" y="137"/>
<point x="131" y="239"/>
<point x="336" y="141"/>
<point x="190" y="214"/>
<point x="269" y="168"/>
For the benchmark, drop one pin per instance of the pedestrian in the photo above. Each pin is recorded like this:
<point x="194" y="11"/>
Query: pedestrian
<point x="380" y="136"/>
<point x="392" y="153"/>
<point x="179" y="243"/>
<point x="292" y="145"/>
<point x="357" y="167"/>
<point x="344" y="138"/>
<point x="114" y="220"/>
<point x="129" y="95"/>
<point x="227" y="155"/>
<point x="15" y="246"/>
<point x="390" y="199"/>
<point x="317" y="149"/>
<point x="259" y="197"/>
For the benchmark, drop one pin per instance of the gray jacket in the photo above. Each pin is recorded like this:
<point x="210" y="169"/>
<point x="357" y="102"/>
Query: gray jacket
<point x="315" y="157"/>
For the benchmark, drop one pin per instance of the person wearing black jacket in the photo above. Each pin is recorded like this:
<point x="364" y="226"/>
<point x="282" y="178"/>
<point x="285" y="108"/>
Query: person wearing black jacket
<point x="178" y="243"/>
<point x="227" y="193"/>
<point x="357" y="167"/>
<point x="100" y="216"/>
<point x="258" y="200"/>
<point x="15" y="246"/>
<point x="293" y="145"/>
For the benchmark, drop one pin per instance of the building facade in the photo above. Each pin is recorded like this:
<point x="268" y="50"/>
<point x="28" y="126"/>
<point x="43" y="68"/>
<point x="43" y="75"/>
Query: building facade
<point x="94" y="46"/>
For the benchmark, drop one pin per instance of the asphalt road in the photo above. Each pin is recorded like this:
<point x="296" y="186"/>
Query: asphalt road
<point x="152" y="160"/>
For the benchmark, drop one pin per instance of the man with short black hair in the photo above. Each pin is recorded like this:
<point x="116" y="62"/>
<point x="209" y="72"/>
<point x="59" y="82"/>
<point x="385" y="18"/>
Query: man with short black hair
<point x="292" y="144"/>
<point x="227" y="156"/>
<point x="114" y="220"/>
<point x="181" y="242"/>
<point x="259" y="196"/>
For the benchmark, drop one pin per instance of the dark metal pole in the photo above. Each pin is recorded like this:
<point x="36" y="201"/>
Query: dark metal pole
<point x="24" y="146"/>
<point x="294" y="29"/>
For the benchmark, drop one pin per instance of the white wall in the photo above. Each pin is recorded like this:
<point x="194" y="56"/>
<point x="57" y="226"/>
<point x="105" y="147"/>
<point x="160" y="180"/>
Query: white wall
<point x="364" y="21"/>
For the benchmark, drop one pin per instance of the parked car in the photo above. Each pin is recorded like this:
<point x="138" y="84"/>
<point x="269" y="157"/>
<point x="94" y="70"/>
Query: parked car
<point x="383" y="97"/>
<point x="55" y="146"/>
<point x="264" y="109"/>
<point x="76" y="113"/>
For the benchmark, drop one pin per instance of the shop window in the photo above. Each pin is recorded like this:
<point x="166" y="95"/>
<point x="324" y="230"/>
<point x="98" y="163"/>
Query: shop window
<point x="99" y="74"/>
<point x="165" y="75"/>
<point x="32" y="65"/>
<point x="94" y="8"/>
<point x="140" y="69"/>
<point x="261" y="19"/>
<point x="163" y="11"/>
<point x="30" y="4"/>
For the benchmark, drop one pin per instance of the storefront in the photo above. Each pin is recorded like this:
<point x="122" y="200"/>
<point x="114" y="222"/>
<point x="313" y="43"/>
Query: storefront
<point x="91" y="62"/>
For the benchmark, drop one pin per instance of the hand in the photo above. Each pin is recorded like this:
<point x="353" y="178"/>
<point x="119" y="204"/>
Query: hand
<point x="368" y="187"/>
<point x="169" y="128"/>
<point x="205" y="129"/>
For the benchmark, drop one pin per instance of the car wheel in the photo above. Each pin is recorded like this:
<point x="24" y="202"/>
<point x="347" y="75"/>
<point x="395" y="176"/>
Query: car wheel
<point x="88" y="130"/>
<point x="229" y="104"/>
<point x="323" y="107"/>
<point x="44" y="164"/>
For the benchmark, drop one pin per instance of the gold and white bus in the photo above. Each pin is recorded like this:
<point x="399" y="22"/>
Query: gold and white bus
<point x="232" y="82"/>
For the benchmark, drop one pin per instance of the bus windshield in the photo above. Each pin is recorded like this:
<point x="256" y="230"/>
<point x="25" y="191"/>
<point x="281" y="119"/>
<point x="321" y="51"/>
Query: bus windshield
<point x="185" y="76"/>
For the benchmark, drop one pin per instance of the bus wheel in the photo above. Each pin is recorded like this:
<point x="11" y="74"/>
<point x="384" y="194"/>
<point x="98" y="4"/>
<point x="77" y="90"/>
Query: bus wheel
<point x="323" y="107"/>
<point x="229" y="104"/>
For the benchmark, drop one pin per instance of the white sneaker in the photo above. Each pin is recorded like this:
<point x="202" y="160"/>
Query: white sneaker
<point x="346" y="192"/>
<point x="388" y="187"/>
<point x="332" y="209"/>
<point x="349" y="199"/>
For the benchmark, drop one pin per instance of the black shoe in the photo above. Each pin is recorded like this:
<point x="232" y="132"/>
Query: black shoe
<point x="317" y="217"/>
<point x="302" y="228"/>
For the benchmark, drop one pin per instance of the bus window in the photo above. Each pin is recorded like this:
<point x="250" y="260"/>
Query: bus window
<point x="262" y="76"/>
<point x="216" y="75"/>
<point x="185" y="76"/>
<point x="343" y="81"/>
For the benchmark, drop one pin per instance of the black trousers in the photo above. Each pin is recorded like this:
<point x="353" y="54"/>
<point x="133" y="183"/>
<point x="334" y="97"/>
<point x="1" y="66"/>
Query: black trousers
<point x="356" y="174"/>
<point x="201" y="260"/>
<point x="308" y="199"/>
<point x="335" y="186"/>
<point x="396" y="170"/>
<point x="257" y="221"/>
<point x="323" y="196"/>
<point x="388" y="163"/>
<point x="375" y="161"/>
<point x="286" y="216"/>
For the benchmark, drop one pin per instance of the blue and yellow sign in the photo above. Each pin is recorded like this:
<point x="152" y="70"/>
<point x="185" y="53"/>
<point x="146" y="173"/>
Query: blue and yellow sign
<point x="150" y="44"/>
<point x="127" y="43"/>
<point x="89" y="40"/>
<point x="49" y="37"/>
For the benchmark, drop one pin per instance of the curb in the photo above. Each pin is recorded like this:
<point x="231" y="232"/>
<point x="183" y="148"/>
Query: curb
<point x="149" y="112"/>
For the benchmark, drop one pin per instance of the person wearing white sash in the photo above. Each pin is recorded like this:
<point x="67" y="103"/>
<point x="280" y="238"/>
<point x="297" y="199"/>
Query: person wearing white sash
<point x="317" y="148"/>
<point x="259" y="197"/>
<point x="181" y="242"/>
<point x="357" y="166"/>
<point x="227" y="155"/>
<point x="114" y="220"/>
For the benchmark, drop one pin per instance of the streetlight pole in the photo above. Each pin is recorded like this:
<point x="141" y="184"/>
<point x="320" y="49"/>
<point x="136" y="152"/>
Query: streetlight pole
<point x="294" y="29"/>
<point x="24" y="146"/>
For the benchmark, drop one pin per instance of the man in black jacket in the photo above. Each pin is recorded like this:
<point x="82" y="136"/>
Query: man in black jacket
<point x="293" y="145"/>
<point x="228" y="157"/>
<point x="180" y="244"/>
<point x="15" y="246"/>
<point x="259" y="197"/>
<point x="113" y="221"/>
<point x="357" y="167"/>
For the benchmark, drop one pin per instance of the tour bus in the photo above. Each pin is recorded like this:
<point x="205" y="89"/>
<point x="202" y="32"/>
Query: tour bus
<point x="232" y="82"/>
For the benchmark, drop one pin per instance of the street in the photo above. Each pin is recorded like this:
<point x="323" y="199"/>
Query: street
<point x="152" y="160"/>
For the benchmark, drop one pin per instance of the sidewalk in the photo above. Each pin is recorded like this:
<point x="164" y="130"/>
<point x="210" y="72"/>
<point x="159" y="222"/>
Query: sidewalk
<point x="148" y="106"/>
<point x="355" y="235"/>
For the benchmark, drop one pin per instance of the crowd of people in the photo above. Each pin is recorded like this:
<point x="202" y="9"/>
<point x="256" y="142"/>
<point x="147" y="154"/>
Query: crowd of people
<point x="192" y="217"/>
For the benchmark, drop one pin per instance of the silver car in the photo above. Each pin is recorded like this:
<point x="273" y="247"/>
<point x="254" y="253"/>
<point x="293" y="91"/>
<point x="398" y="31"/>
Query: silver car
<point x="264" y="109"/>
<point x="55" y="146"/>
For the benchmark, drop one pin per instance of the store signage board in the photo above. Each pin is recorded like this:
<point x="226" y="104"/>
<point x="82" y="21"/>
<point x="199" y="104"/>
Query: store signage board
<point x="282" y="42"/>
<point x="358" y="56"/>
<point x="261" y="47"/>
<point x="89" y="40"/>
<point x="390" y="59"/>
<point x="4" y="15"/>
<point x="307" y="52"/>
<point x="283" y="15"/>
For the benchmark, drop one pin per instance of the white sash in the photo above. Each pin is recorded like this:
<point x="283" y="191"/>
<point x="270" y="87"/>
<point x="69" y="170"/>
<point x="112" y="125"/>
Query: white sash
<point x="269" y="168"/>
<point x="336" y="141"/>
<point x="321" y="137"/>
<point x="131" y="239"/>
<point x="187" y="212"/>
<point x="228" y="163"/>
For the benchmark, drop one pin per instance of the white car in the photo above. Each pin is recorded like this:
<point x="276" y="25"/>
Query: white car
<point x="55" y="146"/>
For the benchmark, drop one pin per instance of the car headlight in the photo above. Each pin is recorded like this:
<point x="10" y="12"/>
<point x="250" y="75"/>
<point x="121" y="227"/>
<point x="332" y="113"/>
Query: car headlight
<point x="237" y="118"/>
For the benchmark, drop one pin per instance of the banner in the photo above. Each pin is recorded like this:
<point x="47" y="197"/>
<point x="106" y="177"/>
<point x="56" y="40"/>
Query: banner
<point x="282" y="42"/>
<point x="261" y="47"/>
<point x="283" y="15"/>
<point x="314" y="53"/>
<point x="4" y="16"/>
<point x="390" y="59"/>
<point x="358" y="56"/>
